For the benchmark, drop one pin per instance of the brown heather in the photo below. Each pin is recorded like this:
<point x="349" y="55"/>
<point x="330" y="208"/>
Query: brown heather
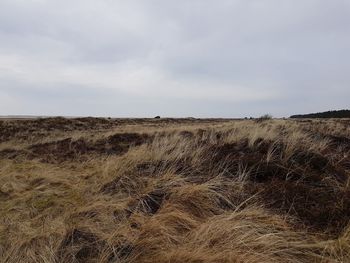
<point x="174" y="190"/>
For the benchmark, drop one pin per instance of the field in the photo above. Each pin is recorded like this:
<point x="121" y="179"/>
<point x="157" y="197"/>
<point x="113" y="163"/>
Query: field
<point x="174" y="190"/>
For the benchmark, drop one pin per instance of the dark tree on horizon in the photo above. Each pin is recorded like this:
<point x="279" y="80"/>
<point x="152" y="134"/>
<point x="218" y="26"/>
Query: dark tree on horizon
<point x="326" y="114"/>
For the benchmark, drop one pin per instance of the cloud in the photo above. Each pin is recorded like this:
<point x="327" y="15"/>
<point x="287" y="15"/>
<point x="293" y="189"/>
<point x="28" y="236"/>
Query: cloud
<point x="196" y="55"/>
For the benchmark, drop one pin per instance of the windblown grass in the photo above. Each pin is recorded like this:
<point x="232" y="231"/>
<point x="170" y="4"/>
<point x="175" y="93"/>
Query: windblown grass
<point x="174" y="191"/>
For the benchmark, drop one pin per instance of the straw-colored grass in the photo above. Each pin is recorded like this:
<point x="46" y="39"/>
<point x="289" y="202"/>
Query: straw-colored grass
<point x="175" y="191"/>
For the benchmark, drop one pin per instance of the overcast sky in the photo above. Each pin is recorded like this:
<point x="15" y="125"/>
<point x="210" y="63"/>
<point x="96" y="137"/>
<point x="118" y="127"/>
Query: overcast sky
<point x="200" y="58"/>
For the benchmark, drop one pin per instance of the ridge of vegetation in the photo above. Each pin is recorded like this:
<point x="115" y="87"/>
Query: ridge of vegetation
<point x="326" y="114"/>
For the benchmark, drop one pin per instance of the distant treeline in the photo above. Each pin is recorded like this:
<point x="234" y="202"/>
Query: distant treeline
<point x="326" y="114"/>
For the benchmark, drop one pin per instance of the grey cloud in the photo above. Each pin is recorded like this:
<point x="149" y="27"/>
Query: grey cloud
<point x="181" y="58"/>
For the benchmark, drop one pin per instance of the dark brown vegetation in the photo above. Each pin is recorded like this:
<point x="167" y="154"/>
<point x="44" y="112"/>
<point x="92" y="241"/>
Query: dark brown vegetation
<point x="174" y="190"/>
<point x="326" y="114"/>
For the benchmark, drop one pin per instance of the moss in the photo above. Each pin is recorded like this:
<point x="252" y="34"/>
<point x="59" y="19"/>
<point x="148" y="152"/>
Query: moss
<point x="41" y="202"/>
<point x="2" y="236"/>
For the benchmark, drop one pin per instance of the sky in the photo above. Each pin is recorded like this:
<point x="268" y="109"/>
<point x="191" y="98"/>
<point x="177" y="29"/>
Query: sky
<point x="183" y="58"/>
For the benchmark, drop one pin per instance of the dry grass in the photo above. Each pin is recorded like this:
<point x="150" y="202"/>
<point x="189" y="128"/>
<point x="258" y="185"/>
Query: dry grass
<point x="92" y="190"/>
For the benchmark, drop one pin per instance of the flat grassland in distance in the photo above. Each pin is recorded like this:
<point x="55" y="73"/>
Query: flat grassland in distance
<point x="174" y="190"/>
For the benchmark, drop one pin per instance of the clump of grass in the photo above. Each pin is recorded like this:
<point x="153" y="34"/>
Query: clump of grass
<point x="264" y="117"/>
